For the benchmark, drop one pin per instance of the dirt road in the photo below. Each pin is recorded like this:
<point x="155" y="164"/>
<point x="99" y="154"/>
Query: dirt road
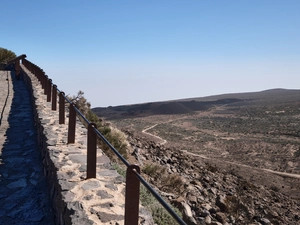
<point x="163" y="141"/>
<point x="293" y="175"/>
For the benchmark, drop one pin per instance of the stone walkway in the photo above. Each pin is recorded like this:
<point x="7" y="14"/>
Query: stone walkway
<point x="23" y="189"/>
<point x="99" y="200"/>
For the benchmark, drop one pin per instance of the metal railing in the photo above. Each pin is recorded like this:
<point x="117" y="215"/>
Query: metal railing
<point x="133" y="177"/>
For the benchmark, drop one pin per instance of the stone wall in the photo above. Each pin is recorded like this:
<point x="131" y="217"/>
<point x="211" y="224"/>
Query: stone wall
<point x="61" y="210"/>
<point x="75" y="199"/>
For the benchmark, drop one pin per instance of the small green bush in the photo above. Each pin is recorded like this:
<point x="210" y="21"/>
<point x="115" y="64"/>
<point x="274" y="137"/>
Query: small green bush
<point x="120" y="169"/>
<point x="6" y="55"/>
<point x="159" y="214"/>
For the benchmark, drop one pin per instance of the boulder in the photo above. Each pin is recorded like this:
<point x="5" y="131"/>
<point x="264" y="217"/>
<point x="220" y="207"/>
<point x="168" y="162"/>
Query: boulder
<point x="187" y="214"/>
<point x="207" y="220"/>
<point x="221" y="203"/>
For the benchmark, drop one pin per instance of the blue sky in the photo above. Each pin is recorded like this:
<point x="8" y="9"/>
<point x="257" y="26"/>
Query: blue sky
<point x="127" y="52"/>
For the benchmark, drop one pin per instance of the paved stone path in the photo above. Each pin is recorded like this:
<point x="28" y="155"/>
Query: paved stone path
<point x="23" y="190"/>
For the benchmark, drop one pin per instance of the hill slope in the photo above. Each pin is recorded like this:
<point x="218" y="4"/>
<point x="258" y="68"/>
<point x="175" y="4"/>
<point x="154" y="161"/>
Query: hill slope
<point x="185" y="106"/>
<point x="242" y="149"/>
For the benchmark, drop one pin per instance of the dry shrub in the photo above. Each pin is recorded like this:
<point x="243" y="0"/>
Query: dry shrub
<point x="164" y="180"/>
<point x="211" y="168"/>
<point x="173" y="182"/>
<point x="115" y="137"/>
<point x="153" y="170"/>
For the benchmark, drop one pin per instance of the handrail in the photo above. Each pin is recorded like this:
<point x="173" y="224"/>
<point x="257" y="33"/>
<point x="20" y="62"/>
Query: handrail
<point x="16" y="62"/>
<point x="133" y="178"/>
<point x="18" y="58"/>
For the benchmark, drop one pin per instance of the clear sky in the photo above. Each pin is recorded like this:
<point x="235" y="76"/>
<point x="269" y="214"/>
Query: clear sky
<point x="134" y="51"/>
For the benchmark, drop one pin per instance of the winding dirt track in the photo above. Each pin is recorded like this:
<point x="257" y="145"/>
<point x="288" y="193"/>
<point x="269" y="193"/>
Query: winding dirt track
<point x="293" y="175"/>
<point x="163" y="141"/>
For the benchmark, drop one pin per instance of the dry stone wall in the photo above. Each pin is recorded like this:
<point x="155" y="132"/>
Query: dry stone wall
<point x="75" y="199"/>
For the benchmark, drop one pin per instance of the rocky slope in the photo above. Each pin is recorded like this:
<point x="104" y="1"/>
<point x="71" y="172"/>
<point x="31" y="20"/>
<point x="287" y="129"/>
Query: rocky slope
<point x="206" y="193"/>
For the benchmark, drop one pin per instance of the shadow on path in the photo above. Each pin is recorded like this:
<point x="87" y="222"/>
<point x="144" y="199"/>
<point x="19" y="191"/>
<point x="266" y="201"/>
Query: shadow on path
<point x="24" y="197"/>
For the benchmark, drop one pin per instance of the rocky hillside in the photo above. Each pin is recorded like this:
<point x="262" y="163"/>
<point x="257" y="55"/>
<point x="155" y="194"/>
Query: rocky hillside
<point x="188" y="106"/>
<point x="226" y="159"/>
<point x="208" y="193"/>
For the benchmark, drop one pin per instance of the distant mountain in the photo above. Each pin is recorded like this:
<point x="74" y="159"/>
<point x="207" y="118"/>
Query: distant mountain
<point x="191" y="105"/>
<point x="266" y="94"/>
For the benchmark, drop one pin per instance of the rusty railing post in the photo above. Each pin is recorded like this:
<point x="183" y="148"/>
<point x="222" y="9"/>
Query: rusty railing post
<point x="37" y="72"/>
<point x="42" y="78"/>
<point x="45" y="84"/>
<point x="132" y="196"/>
<point x="72" y="124"/>
<point x="33" y="70"/>
<point x="49" y="89"/>
<point x="39" y="75"/>
<point x="43" y="81"/>
<point x="54" y="97"/>
<point x="91" y="151"/>
<point x="30" y="66"/>
<point x="17" y="69"/>
<point x="61" y="108"/>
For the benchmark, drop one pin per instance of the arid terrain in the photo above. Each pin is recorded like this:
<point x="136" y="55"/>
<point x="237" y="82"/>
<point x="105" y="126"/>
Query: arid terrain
<point x="253" y="136"/>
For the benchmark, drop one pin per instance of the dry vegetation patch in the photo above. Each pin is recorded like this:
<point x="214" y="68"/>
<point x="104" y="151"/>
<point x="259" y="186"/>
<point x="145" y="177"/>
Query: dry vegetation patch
<point x="247" y="138"/>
